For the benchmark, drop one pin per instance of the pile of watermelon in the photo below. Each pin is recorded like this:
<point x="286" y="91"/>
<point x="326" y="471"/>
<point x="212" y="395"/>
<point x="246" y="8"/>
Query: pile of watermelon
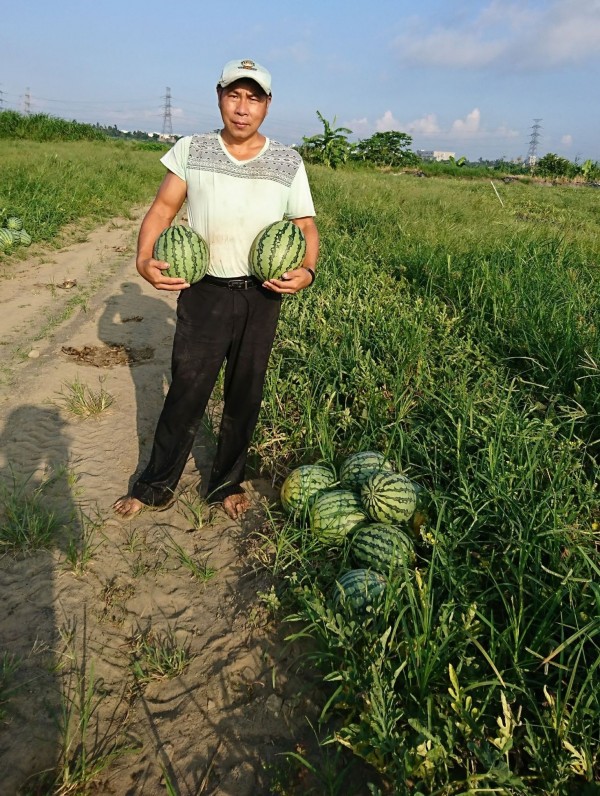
<point x="12" y="234"/>
<point x="377" y="511"/>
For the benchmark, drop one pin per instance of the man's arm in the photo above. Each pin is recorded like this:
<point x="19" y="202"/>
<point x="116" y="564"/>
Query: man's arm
<point x="299" y="278"/>
<point x="167" y="203"/>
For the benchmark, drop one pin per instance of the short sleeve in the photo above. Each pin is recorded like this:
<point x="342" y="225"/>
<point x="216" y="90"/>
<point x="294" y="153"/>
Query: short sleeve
<point x="300" y="203"/>
<point x="177" y="157"/>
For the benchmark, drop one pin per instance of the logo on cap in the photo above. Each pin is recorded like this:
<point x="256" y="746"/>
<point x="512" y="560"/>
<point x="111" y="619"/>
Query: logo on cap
<point x="248" y="65"/>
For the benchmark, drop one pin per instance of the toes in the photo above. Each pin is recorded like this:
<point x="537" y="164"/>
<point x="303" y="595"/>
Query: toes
<point x="235" y="506"/>
<point x="127" y="507"/>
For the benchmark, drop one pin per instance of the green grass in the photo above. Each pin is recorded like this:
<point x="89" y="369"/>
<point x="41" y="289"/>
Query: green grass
<point x="52" y="185"/>
<point x="27" y="523"/>
<point x="158" y="656"/>
<point x="460" y="338"/>
<point x="83" y="401"/>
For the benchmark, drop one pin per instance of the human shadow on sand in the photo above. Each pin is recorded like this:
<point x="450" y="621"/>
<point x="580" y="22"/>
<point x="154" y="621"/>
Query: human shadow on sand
<point x="137" y="320"/>
<point x="35" y="491"/>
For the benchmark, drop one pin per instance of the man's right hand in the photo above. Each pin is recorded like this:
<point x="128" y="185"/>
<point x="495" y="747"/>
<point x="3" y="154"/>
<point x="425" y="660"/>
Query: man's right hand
<point x="152" y="271"/>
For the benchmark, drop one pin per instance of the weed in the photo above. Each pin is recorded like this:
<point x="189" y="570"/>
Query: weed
<point x="158" y="656"/>
<point x="80" y="551"/>
<point x="9" y="665"/>
<point x="26" y="524"/>
<point x="193" y="508"/>
<point x="199" y="570"/>
<point x="80" y="400"/>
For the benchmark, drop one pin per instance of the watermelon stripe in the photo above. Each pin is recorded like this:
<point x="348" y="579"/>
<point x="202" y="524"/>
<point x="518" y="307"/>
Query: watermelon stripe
<point x="185" y="251"/>
<point x="278" y="248"/>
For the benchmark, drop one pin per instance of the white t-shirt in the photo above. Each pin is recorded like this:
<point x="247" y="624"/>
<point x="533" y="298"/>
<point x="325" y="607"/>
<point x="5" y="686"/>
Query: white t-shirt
<point x="230" y="201"/>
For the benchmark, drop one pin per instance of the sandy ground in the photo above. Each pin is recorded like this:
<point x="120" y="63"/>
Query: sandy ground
<point x="78" y="616"/>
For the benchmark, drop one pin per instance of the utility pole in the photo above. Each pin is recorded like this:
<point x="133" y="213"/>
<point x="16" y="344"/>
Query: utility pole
<point x="533" y="142"/>
<point x="27" y="102"/>
<point x="167" y="128"/>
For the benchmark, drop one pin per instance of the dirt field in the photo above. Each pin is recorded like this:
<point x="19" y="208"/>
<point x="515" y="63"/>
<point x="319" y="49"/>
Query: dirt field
<point x="85" y="618"/>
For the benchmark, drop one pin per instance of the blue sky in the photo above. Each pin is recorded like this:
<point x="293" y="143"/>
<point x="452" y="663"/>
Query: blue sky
<point x="468" y="76"/>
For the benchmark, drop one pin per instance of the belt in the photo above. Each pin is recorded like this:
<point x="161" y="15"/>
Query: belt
<point x="233" y="283"/>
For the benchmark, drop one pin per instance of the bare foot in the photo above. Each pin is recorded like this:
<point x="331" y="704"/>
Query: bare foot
<point x="235" y="506"/>
<point x="127" y="506"/>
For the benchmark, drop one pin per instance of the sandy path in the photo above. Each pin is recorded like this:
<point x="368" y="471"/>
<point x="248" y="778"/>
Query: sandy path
<point x="214" y="728"/>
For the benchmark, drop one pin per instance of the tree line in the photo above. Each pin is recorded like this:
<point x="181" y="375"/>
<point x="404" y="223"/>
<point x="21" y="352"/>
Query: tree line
<point x="333" y="148"/>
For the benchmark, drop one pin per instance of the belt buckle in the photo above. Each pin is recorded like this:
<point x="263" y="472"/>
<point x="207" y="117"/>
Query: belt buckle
<point x="238" y="284"/>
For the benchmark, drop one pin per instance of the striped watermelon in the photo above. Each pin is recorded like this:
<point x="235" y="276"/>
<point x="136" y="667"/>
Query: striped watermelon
<point x="302" y="484"/>
<point x="6" y="239"/>
<point x="14" y="222"/>
<point x="334" y="514"/>
<point x="278" y="248"/>
<point x="185" y="251"/>
<point x="359" y="587"/>
<point x="355" y="470"/>
<point x="388" y="497"/>
<point x="382" y="548"/>
<point x="24" y="238"/>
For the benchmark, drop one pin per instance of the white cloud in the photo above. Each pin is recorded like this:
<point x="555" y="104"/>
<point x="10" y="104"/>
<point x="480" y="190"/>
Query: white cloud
<point x="469" y="126"/>
<point x="567" y="140"/>
<point x="360" y="127"/>
<point x="387" y="123"/>
<point x="426" y="125"/>
<point x="525" y="35"/>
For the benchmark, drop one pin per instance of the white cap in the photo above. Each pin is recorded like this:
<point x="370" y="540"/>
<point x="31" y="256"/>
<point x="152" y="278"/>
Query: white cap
<point x="246" y="69"/>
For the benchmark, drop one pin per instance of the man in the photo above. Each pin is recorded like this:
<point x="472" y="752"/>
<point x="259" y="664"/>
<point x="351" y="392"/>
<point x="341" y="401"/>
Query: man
<point x="236" y="182"/>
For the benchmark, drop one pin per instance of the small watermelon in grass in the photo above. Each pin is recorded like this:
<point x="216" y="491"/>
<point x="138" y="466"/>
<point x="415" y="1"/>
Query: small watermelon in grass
<point x="335" y="514"/>
<point x="185" y="251"/>
<point x="302" y="485"/>
<point x="359" y="587"/>
<point x="389" y="497"/>
<point x="383" y="548"/>
<point x="357" y="467"/>
<point x="14" y="222"/>
<point x="278" y="248"/>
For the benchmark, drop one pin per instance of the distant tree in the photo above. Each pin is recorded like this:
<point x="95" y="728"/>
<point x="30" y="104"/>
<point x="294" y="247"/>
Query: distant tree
<point x="552" y="165"/>
<point x="331" y="147"/>
<point x="386" y="149"/>
<point x="590" y="170"/>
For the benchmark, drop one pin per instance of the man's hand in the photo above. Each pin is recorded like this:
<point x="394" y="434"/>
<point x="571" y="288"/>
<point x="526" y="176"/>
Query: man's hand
<point x="152" y="271"/>
<point x="290" y="282"/>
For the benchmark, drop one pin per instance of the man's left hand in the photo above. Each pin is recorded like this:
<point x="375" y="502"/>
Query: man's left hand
<point x="290" y="282"/>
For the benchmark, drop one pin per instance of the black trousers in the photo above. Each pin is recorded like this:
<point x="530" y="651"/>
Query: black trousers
<point x="215" y="324"/>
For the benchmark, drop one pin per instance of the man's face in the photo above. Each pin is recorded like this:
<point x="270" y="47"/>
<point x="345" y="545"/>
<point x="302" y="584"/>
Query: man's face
<point x="243" y="107"/>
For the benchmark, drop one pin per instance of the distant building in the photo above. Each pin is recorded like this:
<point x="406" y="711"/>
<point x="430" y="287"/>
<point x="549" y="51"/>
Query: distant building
<point x="434" y="154"/>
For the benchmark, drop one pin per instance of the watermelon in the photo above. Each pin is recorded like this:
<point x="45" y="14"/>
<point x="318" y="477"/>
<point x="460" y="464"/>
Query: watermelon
<point x="355" y="470"/>
<point x="303" y="484"/>
<point x="382" y="548"/>
<point x="278" y="248"/>
<point x="388" y="497"/>
<point x="359" y="587"/>
<point x="24" y="238"/>
<point x="14" y="222"/>
<point x="6" y="239"/>
<point x="185" y="251"/>
<point x="334" y="514"/>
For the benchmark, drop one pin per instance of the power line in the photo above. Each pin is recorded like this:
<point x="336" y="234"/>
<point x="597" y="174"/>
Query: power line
<point x="167" y="128"/>
<point x="533" y="142"/>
